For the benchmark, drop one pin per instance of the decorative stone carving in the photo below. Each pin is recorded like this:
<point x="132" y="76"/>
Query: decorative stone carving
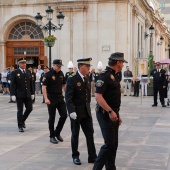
<point x="135" y="10"/>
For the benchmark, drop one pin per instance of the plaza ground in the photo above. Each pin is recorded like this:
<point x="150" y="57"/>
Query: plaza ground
<point x="144" y="138"/>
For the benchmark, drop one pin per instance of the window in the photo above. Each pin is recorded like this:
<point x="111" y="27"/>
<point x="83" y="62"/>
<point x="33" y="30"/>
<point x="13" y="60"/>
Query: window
<point x="26" y="28"/>
<point x="28" y="51"/>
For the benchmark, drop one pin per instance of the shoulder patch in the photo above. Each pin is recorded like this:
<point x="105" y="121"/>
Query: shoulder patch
<point x="99" y="83"/>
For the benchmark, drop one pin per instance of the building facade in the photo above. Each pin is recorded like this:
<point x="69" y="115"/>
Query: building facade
<point x="92" y="28"/>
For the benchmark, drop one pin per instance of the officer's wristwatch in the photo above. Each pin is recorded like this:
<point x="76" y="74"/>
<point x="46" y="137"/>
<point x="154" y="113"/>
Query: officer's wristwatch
<point x="110" y="111"/>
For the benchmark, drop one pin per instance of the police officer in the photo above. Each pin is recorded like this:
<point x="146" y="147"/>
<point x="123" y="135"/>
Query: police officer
<point x="70" y="72"/>
<point x="159" y="83"/>
<point x="108" y="97"/>
<point x="46" y="69"/>
<point x="22" y="90"/>
<point x="78" y="105"/>
<point x="53" y="82"/>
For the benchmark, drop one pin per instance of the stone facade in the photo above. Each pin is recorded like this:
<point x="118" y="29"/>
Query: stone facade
<point x="93" y="28"/>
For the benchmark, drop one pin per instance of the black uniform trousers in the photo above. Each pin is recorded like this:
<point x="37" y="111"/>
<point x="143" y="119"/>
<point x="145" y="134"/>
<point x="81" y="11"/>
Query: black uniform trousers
<point x="136" y="88"/>
<point x="158" y="88"/>
<point x="59" y="104"/>
<point x="87" y="127"/>
<point x="20" y="104"/>
<point x="107" y="153"/>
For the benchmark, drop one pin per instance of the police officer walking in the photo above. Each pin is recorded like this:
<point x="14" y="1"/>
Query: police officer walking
<point x="22" y="90"/>
<point x="78" y="100"/>
<point x="108" y="97"/>
<point x="159" y="83"/>
<point x="53" y="82"/>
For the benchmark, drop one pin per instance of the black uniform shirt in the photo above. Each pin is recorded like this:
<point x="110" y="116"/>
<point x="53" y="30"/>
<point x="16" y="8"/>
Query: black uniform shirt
<point x="159" y="77"/>
<point x="108" y="84"/>
<point x="54" y="82"/>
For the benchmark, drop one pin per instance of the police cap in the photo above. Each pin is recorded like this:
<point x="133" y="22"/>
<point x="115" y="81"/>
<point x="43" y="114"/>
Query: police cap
<point x="58" y="62"/>
<point x="22" y="60"/>
<point x="117" y="56"/>
<point x="157" y="63"/>
<point x="85" y="61"/>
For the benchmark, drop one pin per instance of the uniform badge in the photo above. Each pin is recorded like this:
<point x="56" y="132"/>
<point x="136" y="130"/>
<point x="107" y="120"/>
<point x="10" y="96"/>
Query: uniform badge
<point x="18" y="75"/>
<point x="99" y="83"/>
<point x="112" y="77"/>
<point x="78" y="84"/>
<point x="32" y="75"/>
<point x="53" y="77"/>
<point x="154" y="72"/>
<point x="44" y="79"/>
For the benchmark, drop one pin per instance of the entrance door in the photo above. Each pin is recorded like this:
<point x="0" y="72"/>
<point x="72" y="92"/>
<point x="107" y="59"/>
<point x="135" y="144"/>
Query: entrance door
<point x="32" y="51"/>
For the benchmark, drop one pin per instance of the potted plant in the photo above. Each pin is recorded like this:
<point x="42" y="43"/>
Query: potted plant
<point x="50" y="40"/>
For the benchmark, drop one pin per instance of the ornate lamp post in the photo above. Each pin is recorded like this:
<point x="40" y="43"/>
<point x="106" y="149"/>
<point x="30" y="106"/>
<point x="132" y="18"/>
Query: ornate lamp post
<point x="151" y="30"/>
<point x="50" y="26"/>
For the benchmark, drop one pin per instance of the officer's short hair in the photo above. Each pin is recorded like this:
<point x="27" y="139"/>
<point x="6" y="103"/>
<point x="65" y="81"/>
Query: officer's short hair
<point x="112" y="62"/>
<point x="80" y="64"/>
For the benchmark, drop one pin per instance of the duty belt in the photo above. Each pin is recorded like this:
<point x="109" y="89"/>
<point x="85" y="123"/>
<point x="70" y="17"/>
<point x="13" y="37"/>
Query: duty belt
<point x="54" y="95"/>
<point x="100" y="109"/>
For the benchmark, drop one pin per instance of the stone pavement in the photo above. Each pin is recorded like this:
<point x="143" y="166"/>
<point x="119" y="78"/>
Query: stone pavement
<point x="144" y="139"/>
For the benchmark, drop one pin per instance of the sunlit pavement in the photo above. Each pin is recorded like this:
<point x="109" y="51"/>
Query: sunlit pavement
<point x="144" y="138"/>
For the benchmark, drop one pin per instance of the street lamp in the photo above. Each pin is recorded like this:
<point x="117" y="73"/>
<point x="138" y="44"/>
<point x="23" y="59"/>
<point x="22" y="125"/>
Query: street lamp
<point x="161" y="40"/>
<point x="50" y="26"/>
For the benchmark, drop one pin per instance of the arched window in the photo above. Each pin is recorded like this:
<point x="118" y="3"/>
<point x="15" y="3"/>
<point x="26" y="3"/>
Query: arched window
<point x="26" y="30"/>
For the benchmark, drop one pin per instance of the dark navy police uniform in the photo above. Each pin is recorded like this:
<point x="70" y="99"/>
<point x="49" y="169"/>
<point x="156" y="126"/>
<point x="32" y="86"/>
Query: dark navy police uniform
<point x="78" y="100"/>
<point x="54" y="82"/>
<point x="22" y="87"/>
<point x="159" y="80"/>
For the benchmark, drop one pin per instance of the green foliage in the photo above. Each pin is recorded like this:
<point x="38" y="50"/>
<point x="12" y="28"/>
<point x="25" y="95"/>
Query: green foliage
<point x="150" y="64"/>
<point x="50" y="38"/>
<point x="150" y="68"/>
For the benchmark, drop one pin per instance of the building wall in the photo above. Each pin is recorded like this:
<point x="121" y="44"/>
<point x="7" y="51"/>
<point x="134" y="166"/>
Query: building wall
<point x="92" y="28"/>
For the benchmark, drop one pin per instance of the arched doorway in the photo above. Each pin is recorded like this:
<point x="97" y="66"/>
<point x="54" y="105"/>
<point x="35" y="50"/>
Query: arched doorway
<point x="25" y="40"/>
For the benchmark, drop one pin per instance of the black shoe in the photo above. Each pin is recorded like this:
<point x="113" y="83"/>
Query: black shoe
<point x="154" y="105"/>
<point x="77" y="161"/>
<point x="43" y="102"/>
<point x="59" y="138"/>
<point x="11" y="101"/>
<point x="21" y="129"/>
<point x="23" y="125"/>
<point x="163" y="105"/>
<point x="125" y="95"/>
<point x="92" y="160"/>
<point x="53" y="140"/>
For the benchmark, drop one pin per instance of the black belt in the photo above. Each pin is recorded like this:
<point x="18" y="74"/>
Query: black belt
<point x="100" y="109"/>
<point x="54" y="95"/>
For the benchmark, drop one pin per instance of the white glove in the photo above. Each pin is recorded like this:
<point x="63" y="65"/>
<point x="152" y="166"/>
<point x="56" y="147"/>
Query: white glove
<point x="32" y="96"/>
<point x="9" y="81"/>
<point x="73" y="115"/>
<point x="41" y="84"/>
<point x="13" y="98"/>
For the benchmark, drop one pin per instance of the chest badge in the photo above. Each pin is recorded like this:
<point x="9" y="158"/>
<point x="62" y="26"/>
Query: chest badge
<point x="112" y="77"/>
<point x="44" y="79"/>
<point x="53" y="77"/>
<point x="18" y="75"/>
<point x="78" y="84"/>
<point x="32" y="75"/>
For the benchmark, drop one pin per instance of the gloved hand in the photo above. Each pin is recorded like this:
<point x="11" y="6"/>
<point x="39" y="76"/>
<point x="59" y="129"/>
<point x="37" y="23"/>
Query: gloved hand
<point x="32" y="96"/>
<point x="13" y="98"/>
<point x="73" y="115"/>
<point x="9" y="81"/>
